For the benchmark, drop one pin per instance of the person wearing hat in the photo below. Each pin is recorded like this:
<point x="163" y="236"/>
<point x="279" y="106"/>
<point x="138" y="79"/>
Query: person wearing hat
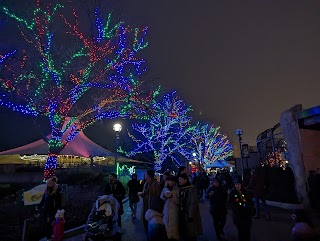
<point x="218" y="209"/>
<point x="242" y="210"/>
<point x="189" y="215"/>
<point x="51" y="202"/>
<point x="170" y="195"/>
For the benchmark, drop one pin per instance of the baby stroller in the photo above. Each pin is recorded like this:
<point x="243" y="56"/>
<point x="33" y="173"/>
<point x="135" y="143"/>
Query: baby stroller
<point x="102" y="220"/>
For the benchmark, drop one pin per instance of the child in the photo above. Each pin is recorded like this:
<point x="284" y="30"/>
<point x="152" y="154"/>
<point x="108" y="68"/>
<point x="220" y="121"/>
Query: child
<point x="58" y="226"/>
<point x="154" y="216"/>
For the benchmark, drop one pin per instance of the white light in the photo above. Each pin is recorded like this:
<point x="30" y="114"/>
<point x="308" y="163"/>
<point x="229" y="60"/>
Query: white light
<point x="190" y="163"/>
<point x="239" y="132"/>
<point x="117" y="127"/>
<point x="194" y="154"/>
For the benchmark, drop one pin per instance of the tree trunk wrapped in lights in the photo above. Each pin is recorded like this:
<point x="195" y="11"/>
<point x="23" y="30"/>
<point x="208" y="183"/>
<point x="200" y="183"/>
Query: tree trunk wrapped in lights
<point x="66" y="70"/>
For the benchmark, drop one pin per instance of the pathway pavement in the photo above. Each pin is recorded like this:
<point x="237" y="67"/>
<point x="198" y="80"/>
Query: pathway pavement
<point x="278" y="229"/>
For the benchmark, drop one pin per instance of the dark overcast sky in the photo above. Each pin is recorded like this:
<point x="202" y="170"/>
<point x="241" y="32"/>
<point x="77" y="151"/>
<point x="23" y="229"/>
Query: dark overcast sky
<point x="238" y="63"/>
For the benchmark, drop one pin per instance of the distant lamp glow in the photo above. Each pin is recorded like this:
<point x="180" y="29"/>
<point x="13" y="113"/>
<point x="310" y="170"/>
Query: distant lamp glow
<point x="194" y="154"/>
<point x="190" y="163"/>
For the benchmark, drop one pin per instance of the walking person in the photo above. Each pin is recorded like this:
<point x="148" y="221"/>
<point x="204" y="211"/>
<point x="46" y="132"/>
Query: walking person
<point x="205" y="183"/>
<point x="218" y="209"/>
<point x="133" y="186"/>
<point x="189" y="216"/>
<point x="115" y="188"/>
<point x="51" y="202"/>
<point x="196" y="181"/>
<point x="151" y="189"/>
<point x="257" y="186"/>
<point x="170" y="195"/>
<point x="242" y="207"/>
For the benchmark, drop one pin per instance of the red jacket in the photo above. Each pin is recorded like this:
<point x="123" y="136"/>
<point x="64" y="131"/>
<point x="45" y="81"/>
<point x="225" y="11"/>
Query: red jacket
<point x="58" y="229"/>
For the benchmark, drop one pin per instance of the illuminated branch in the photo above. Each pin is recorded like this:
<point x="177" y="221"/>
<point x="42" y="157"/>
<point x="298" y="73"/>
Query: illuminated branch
<point x="165" y="133"/>
<point x="207" y="145"/>
<point x="59" y="80"/>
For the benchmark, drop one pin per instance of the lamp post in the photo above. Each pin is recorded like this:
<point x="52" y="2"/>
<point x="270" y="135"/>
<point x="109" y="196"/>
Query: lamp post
<point x="117" y="128"/>
<point x="239" y="132"/>
<point x="198" y="160"/>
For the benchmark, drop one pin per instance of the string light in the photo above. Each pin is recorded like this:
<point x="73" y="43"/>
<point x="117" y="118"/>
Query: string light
<point x="165" y="133"/>
<point x="241" y="200"/>
<point x="52" y="84"/>
<point x="3" y="57"/>
<point x="207" y="145"/>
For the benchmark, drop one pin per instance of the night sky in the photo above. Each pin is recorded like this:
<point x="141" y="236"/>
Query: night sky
<point x="238" y="63"/>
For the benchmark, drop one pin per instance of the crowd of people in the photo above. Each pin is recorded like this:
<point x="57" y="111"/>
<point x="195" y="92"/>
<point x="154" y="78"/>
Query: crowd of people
<point x="170" y="208"/>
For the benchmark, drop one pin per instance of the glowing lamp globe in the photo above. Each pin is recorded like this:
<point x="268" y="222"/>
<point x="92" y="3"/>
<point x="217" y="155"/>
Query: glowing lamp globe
<point x="117" y="127"/>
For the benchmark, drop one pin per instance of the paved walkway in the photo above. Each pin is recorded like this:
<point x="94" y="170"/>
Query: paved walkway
<point x="278" y="229"/>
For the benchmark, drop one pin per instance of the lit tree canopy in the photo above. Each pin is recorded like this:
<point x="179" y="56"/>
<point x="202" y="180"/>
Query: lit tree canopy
<point x="165" y="133"/>
<point x="207" y="145"/>
<point x="68" y="69"/>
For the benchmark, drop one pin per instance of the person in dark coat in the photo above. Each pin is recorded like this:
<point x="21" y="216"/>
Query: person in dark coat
<point x="205" y="182"/>
<point x="242" y="209"/>
<point x="115" y="188"/>
<point x="218" y="208"/>
<point x="151" y="189"/>
<point x="257" y="186"/>
<point x="51" y="202"/>
<point x="182" y="169"/>
<point x="134" y="187"/>
<point x="198" y="184"/>
<point x="154" y="216"/>
<point x="189" y="215"/>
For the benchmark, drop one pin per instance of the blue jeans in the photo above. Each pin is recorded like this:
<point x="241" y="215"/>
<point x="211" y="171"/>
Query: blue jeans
<point x="264" y="204"/>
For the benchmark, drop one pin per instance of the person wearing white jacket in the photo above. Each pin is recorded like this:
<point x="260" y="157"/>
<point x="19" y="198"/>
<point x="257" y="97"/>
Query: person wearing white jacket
<point x="170" y="194"/>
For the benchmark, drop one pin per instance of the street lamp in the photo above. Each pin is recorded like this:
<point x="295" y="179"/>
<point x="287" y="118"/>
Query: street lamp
<point x="198" y="160"/>
<point x="239" y="132"/>
<point x="117" y="128"/>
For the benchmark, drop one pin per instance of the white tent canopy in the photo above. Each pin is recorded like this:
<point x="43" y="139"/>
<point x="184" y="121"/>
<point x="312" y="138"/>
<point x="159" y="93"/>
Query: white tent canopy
<point x="80" y="146"/>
